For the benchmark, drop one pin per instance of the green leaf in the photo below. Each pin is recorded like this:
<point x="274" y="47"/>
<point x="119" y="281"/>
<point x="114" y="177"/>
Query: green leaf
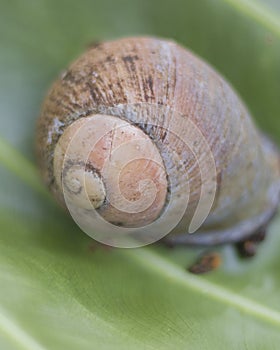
<point x="59" y="290"/>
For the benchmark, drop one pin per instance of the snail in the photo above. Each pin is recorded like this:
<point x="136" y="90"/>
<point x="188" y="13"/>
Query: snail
<point x="142" y="140"/>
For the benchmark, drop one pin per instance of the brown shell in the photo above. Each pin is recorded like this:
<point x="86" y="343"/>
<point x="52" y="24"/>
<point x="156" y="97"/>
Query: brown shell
<point x="148" y="81"/>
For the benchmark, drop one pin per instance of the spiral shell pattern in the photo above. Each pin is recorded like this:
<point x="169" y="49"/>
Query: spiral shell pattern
<point x="141" y="138"/>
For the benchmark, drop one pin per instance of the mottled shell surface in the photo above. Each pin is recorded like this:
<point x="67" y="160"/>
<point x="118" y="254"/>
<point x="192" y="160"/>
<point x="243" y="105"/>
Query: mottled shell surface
<point x="150" y="84"/>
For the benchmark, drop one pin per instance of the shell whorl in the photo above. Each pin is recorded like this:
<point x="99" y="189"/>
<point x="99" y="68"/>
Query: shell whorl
<point x="190" y="114"/>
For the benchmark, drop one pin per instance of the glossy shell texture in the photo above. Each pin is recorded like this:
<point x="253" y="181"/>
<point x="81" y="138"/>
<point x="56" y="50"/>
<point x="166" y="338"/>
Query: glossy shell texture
<point x="150" y="84"/>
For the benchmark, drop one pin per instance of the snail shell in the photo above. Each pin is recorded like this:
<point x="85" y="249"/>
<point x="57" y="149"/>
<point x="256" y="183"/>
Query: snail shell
<point x="142" y="136"/>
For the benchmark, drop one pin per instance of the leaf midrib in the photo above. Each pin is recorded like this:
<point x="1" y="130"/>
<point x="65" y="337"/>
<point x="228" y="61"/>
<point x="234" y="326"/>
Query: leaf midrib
<point x="209" y="289"/>
<point x="16" y="162"/>
<point x="258" y="12"/>
<point x="31" y="344"/>
<point x="149" y="258"/>
<point x="10" y="328"/>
